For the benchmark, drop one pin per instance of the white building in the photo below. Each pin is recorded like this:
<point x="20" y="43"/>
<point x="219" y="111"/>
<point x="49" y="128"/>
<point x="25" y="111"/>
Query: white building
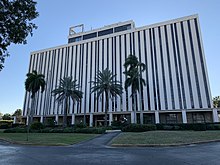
<point x="177" y="89"/>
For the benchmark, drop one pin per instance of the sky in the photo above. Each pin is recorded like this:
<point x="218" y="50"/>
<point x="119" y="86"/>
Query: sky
<point x="55" y="18"/>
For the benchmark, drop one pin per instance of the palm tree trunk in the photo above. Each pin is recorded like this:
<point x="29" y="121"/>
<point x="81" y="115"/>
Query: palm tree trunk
<point x="106" y="107"/>
<point x="32" y="109"/>
<point x="65" y="112"/>
<point x="135" y="108"/>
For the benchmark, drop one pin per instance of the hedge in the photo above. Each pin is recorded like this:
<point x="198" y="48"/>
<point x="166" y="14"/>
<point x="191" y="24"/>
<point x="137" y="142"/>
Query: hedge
<point x="139" y="128"/>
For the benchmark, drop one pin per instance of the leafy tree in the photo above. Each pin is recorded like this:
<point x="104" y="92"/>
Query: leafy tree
<point x="18" y="114"/>
<point x="216" y="101"/>
<point x="33" y="84"/>
<point x="106" y="84"/>
<point x="6" y="116"/>
<point x="15" y="24"/>
<point x="67" y="89"/>
<point x="133" y="69"/>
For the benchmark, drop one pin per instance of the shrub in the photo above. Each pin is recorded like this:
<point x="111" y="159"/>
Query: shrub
<point x="118" y="125"/>
<point x="18" y="125"/>
<point x="16" y="130"/>
<point x="90" y="130"/>
<point x="213" y="126"/>
<point x="80" y="125"/>
<point x="139" y="128"/>
<point x="5" y="124"/>
<point x="50" y="122"/>
<point x="37" y="126"/>
<point x="199" y="127"/>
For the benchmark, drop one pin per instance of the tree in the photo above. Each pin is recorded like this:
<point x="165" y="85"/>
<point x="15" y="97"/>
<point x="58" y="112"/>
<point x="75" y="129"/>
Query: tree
<point x="18" y="114"/>
<point x="216" y="101"/>
<point x="133" y="69"/>
<point x="106" y="84"/>
<point x="15" y="24"/>
<point x="33" y="84"/>
<point x="67" y="89"/>
<point x="6" y="116"/>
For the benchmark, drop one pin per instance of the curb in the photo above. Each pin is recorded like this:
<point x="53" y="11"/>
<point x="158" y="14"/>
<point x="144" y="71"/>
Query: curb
<point x="163" y="145"/>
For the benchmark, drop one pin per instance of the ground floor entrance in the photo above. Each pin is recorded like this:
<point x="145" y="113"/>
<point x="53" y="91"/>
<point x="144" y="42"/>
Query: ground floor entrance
<point x="151" y="117"/>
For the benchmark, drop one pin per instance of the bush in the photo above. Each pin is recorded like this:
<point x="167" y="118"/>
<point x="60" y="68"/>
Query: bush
<point x="16" y="130"/>
<point x="199" y="127"/>
<point x="139" y="128"/>
<point x="5" y="124"/>
<point x="118" y="125"/>
<point x="50" y="122"/>
<point x="36" y="126"/>
<point x="80" y="125"/>
<point x="90" y="130"/>
<point x="18" y="125"/>
<point x="213" y="126"/>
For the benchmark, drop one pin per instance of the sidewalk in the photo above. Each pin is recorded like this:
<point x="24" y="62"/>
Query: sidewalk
<point x="100" y="141"/>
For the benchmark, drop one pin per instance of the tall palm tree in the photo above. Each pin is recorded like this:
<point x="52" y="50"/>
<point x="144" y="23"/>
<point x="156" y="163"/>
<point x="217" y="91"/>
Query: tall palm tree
<point x="133" y="69"/>
<point x="67" y="89"/>
<point x="33" y="84"/>
<point x="106" y="84"/>
<point x="216" y="101"/>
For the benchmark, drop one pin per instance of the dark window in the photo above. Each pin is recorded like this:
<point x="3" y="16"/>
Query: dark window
<point x="122" y="28"/>
<point x="105" y="32"/>
<point x="88" y="36"/>
<point x="198" y="117"/>
<point x="75" y="39"/>
<point x="171" y="118"/>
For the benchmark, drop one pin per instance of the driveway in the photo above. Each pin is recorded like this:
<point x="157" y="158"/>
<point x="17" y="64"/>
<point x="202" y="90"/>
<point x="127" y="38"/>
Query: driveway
<point x="96" y="151"/>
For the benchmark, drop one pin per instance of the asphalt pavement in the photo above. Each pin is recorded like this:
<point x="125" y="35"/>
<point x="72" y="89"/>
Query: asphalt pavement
<point x="97" y="152"/>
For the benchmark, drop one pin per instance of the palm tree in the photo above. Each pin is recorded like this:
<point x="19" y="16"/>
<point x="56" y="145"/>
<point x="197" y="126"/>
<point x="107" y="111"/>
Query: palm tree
<point x="67" y="89"/>
<point x="33" y="84"/>
<point x="106" y="84"/>
<point x="216" y="101"/>
<point x="133" y="69"/>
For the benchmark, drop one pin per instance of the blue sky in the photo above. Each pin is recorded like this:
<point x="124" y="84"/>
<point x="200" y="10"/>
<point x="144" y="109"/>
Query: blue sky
<point x="57" y="16"/>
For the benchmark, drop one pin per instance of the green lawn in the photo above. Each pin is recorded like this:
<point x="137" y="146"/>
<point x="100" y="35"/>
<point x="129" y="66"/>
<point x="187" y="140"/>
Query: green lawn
<point x="165" y="137"/>
<point x="46" y="138"/>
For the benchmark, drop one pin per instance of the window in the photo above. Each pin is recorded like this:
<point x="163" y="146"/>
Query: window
<point x="88" y="36"/>
<point x="75" y="39"/>
<point x="122" y="28"/>
<point x="171" y="118"/>
<point x="198" y="117"/>
<point x="105" y="32"/>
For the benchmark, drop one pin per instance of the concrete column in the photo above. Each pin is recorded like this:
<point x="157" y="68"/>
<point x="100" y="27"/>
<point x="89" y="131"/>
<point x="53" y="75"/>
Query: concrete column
<point x="41" y="119"/>
<point x="215" y="115"/>
<point x="157" y="118"/>
<point x="14" y="119"/>
<point x="110" y="118"/>
<point x="27" y="121"/>
<point x="184" y="116"/>
<point x="132" y="117"/>
<point x="73" y="119"/>
<point x="57" y="119"/>
<point x="91" y="120"/>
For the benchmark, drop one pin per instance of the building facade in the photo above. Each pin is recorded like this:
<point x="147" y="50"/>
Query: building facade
<point x="177" y="86"/>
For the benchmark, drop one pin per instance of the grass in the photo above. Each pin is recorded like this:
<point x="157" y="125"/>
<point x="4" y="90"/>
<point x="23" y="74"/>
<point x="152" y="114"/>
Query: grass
<point x="165" y="137"/>
<point x="49" y="139"/>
